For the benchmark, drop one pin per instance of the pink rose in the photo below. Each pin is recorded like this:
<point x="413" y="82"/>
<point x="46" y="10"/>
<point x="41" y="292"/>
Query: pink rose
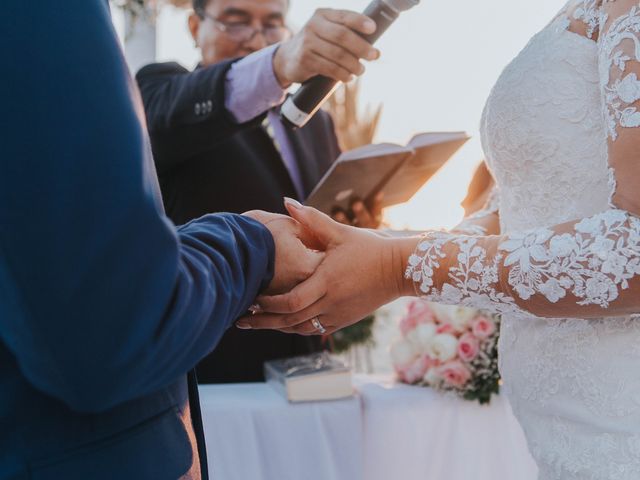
<point x="468" y="347"/>
<point x="455" y="373"/>
<point x="415" y="370"/>
<point x="418" y="312"/>
<point x="445" y="328"/>
<point x="482" y="327"/>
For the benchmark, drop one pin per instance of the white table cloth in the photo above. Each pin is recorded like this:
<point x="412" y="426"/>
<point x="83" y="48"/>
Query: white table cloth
<point x="388" y="432"/>
<point x="253" y="433"/>
<point x="414" y="433"/>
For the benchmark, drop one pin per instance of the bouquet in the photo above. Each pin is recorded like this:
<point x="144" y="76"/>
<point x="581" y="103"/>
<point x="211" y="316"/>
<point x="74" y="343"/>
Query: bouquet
<point x="450" y="349"/>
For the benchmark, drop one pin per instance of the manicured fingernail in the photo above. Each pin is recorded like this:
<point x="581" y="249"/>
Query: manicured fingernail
<point x="373" y="54"/>
<point x="255" y="309"/>
<point x="370" y="25"/>
<point x="243" y="326"/>
<point x="292" y="202"/>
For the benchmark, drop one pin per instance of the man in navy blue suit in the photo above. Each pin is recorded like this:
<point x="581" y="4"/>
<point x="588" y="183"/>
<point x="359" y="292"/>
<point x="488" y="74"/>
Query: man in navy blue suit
<point x="104" y="305"/>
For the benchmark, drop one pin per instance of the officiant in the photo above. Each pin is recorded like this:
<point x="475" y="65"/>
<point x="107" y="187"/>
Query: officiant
<point x="249" y="60"/>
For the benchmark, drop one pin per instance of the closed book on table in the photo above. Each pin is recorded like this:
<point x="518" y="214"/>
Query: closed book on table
<point x="309" y="378"/>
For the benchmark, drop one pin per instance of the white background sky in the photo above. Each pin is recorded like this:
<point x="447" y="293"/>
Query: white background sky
<point x="439" y="62"/>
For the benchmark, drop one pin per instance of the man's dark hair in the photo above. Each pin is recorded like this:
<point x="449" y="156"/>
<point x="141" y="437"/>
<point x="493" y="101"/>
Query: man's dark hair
<point x="200" y="5"/>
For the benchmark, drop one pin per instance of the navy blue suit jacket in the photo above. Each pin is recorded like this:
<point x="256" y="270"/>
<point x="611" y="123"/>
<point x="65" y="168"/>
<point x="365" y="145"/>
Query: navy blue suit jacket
<point x="104" y="304"/>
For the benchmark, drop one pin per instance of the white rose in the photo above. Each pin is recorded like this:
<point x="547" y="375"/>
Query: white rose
<point x="402" y="353"/>
<point x="461" y="318"/>
<point x="421" y="336"/>
<point x="443" y="312"/>
<point x="431" y="377"/>
<point x="629" y="88"/>
<point x="443" y="347"/>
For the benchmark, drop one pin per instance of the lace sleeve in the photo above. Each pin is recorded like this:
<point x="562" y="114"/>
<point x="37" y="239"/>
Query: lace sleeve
<point x="586" y="268"/>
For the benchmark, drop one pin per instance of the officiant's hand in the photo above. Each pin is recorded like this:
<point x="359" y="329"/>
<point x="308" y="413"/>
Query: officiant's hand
<point x="327" y="45"/>
<point x="360" y="272"/>
<point x="361" y="214"/>
<point x="295" y="262"/>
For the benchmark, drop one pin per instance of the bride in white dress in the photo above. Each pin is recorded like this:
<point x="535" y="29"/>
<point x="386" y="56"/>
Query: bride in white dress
<point x="561" y="133"/>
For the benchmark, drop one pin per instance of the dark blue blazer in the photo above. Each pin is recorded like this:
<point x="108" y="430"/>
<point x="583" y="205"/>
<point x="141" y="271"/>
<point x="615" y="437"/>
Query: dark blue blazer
<point x="104" y="304"/>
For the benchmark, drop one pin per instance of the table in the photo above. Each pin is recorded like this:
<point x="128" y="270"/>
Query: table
<point x="388" y="431"/>
<point x="253" y="433"/>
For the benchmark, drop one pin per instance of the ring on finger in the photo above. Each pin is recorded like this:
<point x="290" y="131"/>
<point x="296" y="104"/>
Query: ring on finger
<point x="315" y="321"/>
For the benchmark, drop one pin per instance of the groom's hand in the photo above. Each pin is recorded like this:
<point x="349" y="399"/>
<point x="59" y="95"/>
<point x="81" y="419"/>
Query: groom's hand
<point x="295" y="261"/>
<point x="360" y="272"/>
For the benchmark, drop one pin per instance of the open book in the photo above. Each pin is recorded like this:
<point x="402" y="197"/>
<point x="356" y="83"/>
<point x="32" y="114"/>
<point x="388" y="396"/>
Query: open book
<point x="397" y="172"/>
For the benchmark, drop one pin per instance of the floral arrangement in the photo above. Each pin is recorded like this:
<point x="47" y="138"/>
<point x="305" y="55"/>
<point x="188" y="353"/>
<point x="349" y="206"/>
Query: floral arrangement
<point x="450" y="349"/>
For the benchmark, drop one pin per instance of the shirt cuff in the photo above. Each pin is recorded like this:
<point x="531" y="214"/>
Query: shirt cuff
<point x="251" y="86"/>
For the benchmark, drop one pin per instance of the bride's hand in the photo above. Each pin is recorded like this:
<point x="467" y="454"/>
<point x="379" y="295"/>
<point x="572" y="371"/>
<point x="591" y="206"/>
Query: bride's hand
<point x="360" y="272"/>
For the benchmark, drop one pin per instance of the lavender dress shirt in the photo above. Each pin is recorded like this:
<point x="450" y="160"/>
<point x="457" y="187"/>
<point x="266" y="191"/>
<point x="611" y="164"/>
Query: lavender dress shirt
<point x="251" y="89"/>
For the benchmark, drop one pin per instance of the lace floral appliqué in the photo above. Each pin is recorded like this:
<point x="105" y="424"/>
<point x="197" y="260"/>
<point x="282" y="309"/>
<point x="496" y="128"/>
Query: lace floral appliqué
<point x="593" y="263"/>
<point x="588" y="12"/>
<point x="620" y="91"/>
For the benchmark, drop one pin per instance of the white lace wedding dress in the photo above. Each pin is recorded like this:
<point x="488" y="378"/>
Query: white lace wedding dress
<point x="561" y="133"/>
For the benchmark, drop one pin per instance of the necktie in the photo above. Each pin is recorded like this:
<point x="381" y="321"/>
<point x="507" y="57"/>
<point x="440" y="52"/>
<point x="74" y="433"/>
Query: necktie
<point x="278" y="135"/>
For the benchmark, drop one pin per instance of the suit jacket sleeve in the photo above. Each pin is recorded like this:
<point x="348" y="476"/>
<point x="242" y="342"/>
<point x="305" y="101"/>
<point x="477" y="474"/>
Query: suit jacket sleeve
<point x="102" y="300"/>
<point x="186" y="113"/>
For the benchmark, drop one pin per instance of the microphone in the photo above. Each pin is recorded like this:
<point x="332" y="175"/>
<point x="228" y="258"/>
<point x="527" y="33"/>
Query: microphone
<point x="298" y="109"/>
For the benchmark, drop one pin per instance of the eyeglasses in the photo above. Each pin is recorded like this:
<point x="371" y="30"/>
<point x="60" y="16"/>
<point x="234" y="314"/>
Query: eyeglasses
<point x="243" y="32"/>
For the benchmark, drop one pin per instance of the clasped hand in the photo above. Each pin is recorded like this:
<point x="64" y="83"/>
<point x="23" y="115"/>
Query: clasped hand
<point x="354" y="271"/>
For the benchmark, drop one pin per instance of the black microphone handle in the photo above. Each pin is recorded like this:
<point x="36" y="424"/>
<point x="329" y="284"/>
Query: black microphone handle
<point x="315" y="91"/>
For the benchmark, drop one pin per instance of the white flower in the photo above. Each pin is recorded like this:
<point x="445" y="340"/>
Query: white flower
<point x="443" y="347"/>
<point x="443" y="312"/>
<point x="600" y="290"/>
<point x="461" y="318"/>
<point x="615" y="264"/>
<point x="589" y="225"/>
<point x="552" y="290"/>
<point x="524" y="291"/>
<point x="473" y="284"/>
<point x="633" y="266"/>
<point x="477" y="267"/>
<point x="402" y="353"/>
<point x="630" y="118"/>
<point x="524" y="247"/>
<point x="628" y="89"/>
<point x="420" y="337"/>
<point x="613" y="217"/>
<point x="563" y="245"/>
<point x="414" y="260"/>
<point x="602" y="246"/>
<point x="431" y="377"/>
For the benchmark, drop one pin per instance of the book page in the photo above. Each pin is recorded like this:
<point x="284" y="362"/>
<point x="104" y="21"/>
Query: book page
<point x="432" y="151"/>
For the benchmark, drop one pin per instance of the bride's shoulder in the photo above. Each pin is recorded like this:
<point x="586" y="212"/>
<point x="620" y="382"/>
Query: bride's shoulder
<point x="583" y="17"/>
<point x="589" y="17"/>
